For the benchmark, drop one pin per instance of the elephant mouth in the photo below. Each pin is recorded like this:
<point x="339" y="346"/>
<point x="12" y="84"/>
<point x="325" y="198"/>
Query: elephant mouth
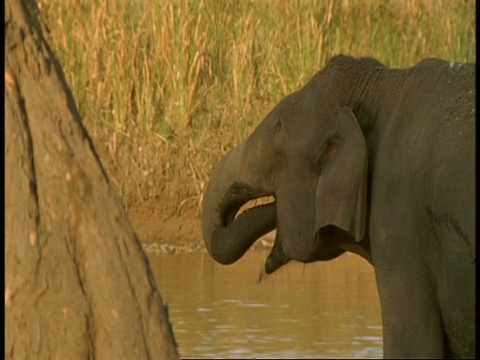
<point x="241" y="199"/>
<point x="248" y="210"/>
<point x="276" y="259"/>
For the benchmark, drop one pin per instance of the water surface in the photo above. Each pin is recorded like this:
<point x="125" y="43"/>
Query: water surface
<point x="321" y="310"/>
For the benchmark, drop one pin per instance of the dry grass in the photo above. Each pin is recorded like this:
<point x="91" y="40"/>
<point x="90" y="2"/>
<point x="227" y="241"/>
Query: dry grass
<point x="166" y="87"/>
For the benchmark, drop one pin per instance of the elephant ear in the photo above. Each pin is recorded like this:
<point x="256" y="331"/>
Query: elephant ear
<point x="341" y="188"/>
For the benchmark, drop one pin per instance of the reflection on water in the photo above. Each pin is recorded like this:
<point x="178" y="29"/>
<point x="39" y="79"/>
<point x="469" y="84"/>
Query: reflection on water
<point x="321" y="310"/>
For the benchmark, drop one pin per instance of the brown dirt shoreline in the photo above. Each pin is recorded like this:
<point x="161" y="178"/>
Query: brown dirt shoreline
<point x="164" y="228"/>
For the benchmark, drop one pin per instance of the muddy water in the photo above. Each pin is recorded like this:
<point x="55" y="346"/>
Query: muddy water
<point x="321" y="310"/>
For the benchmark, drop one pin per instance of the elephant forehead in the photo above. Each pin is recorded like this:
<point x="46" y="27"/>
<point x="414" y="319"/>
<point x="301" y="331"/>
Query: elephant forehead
<point x="299" y="114"/>
<point x="291" y="106"/>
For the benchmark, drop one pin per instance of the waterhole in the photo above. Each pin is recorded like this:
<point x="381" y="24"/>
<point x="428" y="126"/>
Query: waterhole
<point x="322" y="310"/>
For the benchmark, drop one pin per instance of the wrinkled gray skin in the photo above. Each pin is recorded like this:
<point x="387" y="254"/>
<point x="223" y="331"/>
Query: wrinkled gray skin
<point x="378" y="162"/>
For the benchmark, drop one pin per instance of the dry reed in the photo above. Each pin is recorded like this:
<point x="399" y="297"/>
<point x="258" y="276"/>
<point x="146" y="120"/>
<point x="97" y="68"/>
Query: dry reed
<point x="167" y="87"/>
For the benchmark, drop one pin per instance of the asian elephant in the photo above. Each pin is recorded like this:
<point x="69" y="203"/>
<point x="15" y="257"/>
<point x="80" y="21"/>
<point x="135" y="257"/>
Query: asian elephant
<point x="376" y="161"/>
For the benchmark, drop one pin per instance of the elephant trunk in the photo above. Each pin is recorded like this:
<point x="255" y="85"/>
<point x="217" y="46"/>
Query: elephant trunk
<point x="231" y="185"/>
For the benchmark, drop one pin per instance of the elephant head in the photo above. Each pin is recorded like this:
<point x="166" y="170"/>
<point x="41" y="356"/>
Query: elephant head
<point x="311" y="155"/>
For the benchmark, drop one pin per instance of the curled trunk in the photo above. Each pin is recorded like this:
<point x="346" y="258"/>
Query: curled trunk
<point x="226" y="236"/>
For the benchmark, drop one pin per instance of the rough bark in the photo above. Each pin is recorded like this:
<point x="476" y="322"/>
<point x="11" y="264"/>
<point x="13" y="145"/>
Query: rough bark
<point x="77" y="284"/>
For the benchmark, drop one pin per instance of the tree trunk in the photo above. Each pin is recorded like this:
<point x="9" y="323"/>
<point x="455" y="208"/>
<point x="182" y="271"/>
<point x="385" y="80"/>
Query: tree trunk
<point x="78" y="284"/>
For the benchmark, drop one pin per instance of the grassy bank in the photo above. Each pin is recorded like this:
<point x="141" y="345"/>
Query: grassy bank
<point x="166" y="87"/>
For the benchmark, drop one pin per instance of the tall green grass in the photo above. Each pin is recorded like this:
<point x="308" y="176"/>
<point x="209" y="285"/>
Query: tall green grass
<point x="165" y="87"/>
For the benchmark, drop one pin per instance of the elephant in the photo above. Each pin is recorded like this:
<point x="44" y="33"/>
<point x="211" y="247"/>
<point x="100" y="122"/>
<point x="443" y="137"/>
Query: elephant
<point x="375" y="161"/>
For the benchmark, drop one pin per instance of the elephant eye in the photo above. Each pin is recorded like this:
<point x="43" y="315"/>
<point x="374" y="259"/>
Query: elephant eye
<point x="278" y="124"/>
